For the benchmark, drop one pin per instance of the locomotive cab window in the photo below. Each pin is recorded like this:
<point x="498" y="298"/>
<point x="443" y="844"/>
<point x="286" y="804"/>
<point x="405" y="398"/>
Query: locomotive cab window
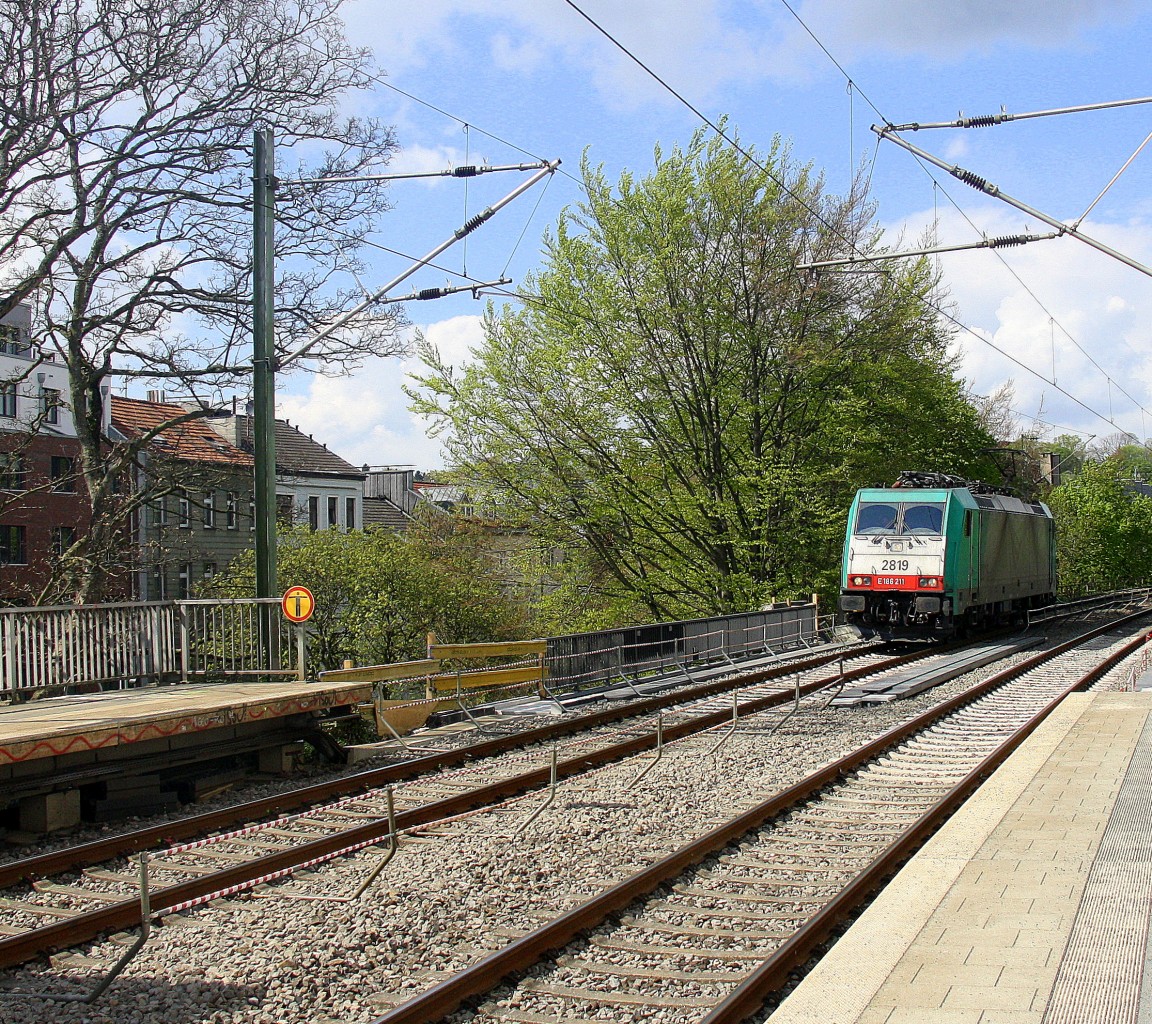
<point x="877" y="518"/>
<point x="923" y="517"/>
<point x="914" y="517"/>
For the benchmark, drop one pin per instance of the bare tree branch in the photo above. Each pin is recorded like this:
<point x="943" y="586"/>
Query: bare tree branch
<point x="125" y="213"/>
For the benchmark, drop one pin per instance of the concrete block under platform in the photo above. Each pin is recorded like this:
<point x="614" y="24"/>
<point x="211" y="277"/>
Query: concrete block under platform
<point x="136" y="805"/>
<point x="50" y="812"/>
<point x="281" y="759"/>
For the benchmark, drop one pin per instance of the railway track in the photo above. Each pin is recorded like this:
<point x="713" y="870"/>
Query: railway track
<point x="741" y="906"/>
<point x="195" y="825"/>
<point x="361" y="820"/>
<point x="53" y="913"/>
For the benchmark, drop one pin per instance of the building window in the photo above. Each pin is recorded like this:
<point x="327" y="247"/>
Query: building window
<point x="160" y="513"/>
<point x="183" y="509"/>
<point x="63" y="474"/>
<point x="159" y="584"/>
<point x="8" y="401"/>
<point x="285" y="510"/>
<point x="209" y="570"/>
<point x="12" y="473"/>
<point x="209" y="510"/>
<point x="12" y="551"/>
<point x="63" y="537"/>
<point x="350" y="513"/>
<point x="232" y="510"/>
<point x="333" y="514"/>
<point x="13" y="340"/>
<point x="184" y="584"/>
<point x="50" y="404"/>
<point x="251" y="513"/>
<point x="313" y="513"/>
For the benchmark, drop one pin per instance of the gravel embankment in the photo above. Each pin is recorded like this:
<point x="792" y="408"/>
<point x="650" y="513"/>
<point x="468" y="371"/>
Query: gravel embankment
<point x="444" y="901"/>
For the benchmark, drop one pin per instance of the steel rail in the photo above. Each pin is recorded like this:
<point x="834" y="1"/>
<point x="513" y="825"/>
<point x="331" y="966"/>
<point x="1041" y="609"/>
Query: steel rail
<point x="19" y="949"/>
<point x="99" y="850"/>
<point x="479" y="979"/>
<point x="750" y="995"/>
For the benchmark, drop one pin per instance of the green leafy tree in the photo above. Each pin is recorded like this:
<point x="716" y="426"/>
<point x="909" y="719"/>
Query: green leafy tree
<point x="1132" y="462"/>
<point x="379" y="594"/>
<point x="681" y="402"/>
<point x="1103" y="532"/>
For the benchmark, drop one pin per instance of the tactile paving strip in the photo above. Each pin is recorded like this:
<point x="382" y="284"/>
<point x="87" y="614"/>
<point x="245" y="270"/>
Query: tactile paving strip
<point x="1100" y="976"/>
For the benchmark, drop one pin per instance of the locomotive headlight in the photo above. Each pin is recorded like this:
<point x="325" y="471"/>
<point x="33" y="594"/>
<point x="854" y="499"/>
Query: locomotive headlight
<point x="929" y="581"/>
<point x="861" y="581"/>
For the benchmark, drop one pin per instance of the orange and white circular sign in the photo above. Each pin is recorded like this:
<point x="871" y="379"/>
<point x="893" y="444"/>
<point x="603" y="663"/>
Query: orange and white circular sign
<point x="298" y="604"/>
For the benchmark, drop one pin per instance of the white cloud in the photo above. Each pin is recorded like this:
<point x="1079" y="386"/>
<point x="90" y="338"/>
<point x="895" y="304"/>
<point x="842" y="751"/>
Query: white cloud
<point x="949" y="31"/>
<point x="957" y="148"/>
<point x="1094" y="311"/>
<point x="364" y="417"/>
<point x="417" y="159"/>
<point x="698" y="44"/>
<point x="701" y="45"/>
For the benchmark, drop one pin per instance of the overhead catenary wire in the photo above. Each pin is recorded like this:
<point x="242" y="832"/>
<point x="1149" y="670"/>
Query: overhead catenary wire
<point x="743" y="152"/>
<point x="710" y="123"/>
<point x="738" y="148"/>
<point x="998" y="242"/>
<point x="1037" y="418"/>
<point x="989" y="120"/>
<point x="1115" y="178"/>
<point x="1032" y="294"/>
<point x="527" y="223"/>
<point x="548" y="169"/>
<point x="983" y="185"/>
<point x="936" y="185"/>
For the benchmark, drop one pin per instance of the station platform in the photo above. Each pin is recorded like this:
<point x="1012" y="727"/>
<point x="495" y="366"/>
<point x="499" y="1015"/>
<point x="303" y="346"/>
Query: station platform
<point x="56" y="746"/>
<point x="1031" y="906"/>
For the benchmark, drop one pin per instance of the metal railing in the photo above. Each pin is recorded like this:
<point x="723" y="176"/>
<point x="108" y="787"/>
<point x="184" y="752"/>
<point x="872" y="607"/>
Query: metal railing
<point x="63" y="648"/>
<point x="71" y="648"/>
<point x="238" y="637"/>
<point x="588" y="659"/>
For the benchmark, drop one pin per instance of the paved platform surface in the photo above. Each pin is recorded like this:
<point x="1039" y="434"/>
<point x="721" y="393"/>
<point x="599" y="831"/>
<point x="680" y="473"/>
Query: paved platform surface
<point x="66" y="725"/>
<point x="1031" y="906"/>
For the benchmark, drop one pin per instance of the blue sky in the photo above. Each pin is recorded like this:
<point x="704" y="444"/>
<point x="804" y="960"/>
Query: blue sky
<point x="532" y="77"/>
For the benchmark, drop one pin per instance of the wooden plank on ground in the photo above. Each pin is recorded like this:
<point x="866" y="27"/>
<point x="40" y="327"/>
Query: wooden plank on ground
<point x="496" y="677"/>
<point x="511" y="649"/>
<point x="406" y="716"/>
<point x="380" y="673"/>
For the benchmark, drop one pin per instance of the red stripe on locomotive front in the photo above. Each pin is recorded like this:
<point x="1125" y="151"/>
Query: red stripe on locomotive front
<point x="896" y="583"/>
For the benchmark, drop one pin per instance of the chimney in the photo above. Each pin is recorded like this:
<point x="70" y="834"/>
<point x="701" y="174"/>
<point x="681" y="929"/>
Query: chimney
<point x="157" y="396"/>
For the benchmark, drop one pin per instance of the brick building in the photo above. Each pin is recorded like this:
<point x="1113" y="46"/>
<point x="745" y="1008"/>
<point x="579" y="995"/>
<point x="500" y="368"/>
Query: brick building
<point x="43" y="507"/>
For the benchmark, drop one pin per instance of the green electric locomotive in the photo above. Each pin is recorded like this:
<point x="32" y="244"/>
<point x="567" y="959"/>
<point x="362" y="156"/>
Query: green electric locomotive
<point x="935" y="553"/>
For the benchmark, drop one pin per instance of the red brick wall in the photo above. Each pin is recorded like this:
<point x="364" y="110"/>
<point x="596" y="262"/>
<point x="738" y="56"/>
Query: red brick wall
<point x="39" y="508"/>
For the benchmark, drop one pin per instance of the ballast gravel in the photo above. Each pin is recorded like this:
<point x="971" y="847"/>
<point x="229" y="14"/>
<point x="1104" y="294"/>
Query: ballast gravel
<point x="450" y="897"/>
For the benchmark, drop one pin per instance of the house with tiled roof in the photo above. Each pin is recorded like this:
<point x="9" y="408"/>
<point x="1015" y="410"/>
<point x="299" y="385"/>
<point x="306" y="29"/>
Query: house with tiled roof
<point x="389" y="498"/>
<point x="201" y="513"/>
<point x="314" y="485"/>
<point x="43" y="506"/>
